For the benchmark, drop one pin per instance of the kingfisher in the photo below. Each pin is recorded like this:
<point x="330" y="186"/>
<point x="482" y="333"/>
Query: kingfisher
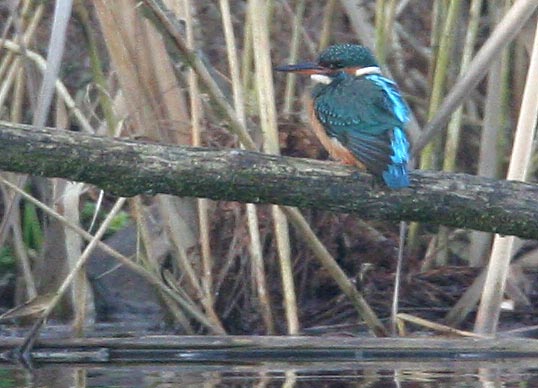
<point x="358" y="115"/>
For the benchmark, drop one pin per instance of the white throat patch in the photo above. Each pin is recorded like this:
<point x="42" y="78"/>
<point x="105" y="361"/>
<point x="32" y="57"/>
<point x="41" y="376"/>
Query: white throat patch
<point x="367" y="70"/>
<point x="321" y="78"/>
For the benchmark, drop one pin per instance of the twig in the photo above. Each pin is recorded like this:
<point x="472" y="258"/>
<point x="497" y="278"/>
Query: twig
<point x="436" y="326"/>
<point x="32" y="335"/>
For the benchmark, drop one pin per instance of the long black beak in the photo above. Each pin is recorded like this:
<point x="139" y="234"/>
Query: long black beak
<point x="303" y="68"/>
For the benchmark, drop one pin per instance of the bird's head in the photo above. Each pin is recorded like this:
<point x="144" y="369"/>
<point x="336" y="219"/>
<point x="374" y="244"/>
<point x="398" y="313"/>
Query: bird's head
<point x="353" y="59"/>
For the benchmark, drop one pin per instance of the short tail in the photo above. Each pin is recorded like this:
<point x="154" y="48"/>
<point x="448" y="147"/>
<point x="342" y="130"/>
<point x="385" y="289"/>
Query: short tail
<point x="395" y="176"/>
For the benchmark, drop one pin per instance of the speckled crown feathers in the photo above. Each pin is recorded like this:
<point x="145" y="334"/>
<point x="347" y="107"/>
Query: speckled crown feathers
<point x="346" y="55"/>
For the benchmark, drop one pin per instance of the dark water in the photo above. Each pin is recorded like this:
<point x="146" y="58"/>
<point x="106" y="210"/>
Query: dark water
<point x="499" y="373"/>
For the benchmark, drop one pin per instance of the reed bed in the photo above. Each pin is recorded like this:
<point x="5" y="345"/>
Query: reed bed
<point x="200" y="73"/>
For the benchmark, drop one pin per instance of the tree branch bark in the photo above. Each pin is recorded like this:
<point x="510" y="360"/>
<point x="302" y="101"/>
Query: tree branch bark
<point x="127" y="168"/>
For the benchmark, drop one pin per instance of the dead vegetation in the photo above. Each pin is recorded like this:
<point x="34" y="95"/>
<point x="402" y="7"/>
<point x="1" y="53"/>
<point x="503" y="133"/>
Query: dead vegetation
<point x="220" y="267"/>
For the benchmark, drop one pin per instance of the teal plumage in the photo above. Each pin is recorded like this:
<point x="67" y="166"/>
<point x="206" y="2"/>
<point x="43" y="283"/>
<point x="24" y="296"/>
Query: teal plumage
<point x="367" y="115"/>
<point x="361" y="110"/>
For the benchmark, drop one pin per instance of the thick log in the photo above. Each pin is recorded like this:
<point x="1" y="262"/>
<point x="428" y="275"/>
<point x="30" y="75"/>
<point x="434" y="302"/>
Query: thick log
<point x="127" y="168"/>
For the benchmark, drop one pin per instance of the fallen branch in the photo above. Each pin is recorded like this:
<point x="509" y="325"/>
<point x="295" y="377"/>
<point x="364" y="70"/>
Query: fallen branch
<point x="251" y="350"/>
<point x="128" y="168"/>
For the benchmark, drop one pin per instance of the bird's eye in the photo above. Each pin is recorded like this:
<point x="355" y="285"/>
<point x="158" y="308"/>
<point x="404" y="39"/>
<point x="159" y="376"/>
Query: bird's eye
<point x="337" y="65"/>
<point x="329" y="65"/>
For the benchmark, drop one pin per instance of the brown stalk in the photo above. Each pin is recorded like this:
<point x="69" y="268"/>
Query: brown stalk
<point x="267" y="112"/>
<point x="255" y="246"/>
<point x="238" y="128"/>
<point x="203" y="204"/>
<point x="188" y="306"/>
<point x="490" y="305"/>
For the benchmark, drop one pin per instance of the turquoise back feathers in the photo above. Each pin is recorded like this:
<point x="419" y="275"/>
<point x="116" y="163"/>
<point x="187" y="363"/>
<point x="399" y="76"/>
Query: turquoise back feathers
<point x="367" y="115"/>
<point x="395" y="176"/>
<point x="360" y="110"/>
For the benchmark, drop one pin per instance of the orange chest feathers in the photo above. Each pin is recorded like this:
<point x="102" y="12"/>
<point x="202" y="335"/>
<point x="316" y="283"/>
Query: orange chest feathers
<point x="336" y="150"/>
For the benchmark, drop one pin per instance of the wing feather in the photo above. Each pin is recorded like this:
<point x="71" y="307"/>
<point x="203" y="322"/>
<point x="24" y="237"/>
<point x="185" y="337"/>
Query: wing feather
<point x="362" y="113"/>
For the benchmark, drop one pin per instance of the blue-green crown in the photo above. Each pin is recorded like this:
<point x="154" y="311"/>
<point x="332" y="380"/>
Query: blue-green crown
<point x="339" y="56"/>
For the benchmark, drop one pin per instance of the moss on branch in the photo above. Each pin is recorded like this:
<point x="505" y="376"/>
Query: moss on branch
<point x="127" y="168"/>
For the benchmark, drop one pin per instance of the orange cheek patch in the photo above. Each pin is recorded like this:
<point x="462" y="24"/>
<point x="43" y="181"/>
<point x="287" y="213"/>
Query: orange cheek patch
<point x="351" y="70"/>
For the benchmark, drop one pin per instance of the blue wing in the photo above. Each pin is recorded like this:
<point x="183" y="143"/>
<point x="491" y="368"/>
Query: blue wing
<point x="367" y="115"/>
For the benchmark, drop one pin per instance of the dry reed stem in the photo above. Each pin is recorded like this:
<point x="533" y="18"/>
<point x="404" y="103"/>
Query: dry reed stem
<point x="172" y="28"/>
<point x="62" y="13"/>
<point x="307" y="40"/>
<point x="50" y="71"/>
<point x="66" y="197"/>
<point x="503" y="34"/>
<point x="145" y="248"/>
<point x="23" y="36"/>
<point x="436" y="326"/>
<point x="385" y="12"/>
<point x="430" y="153"/>
<point x="60" y="87"/>
<point x="70" y="200"/>
<point x="105" y="100"/>
<point x="149" y="259"/>
<point x="32" y="335"/>
<point x="397" y="278"/>
<point x="122" y="31"/>
<point x="152" y="279"/>
<point x="490" y="305"/>
<point x="435" y="36"/>
<point x="247" y="59"/>
<point x="291" y="78"/>
<point x="16" y="225"/>
<point x="326" y="24"/>
<point x="19" y="246"/>
<point x="294" y="215"/>
<point x="268" y="122"/>
<point x="429" y="157"/>
<point x="154" y="100"/>
<point x="489" y="158"/>
<point x="178" y="232"/>
<point x="454" y="127"/>
<point x="203" y="204"/>
<point x="17" y="101"/>
<point x="255" y="246"/>
<point x="467" y="301"/>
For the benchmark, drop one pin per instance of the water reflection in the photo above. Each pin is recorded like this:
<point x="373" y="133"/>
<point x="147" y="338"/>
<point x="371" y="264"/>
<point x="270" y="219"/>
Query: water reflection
<point x="501" y="373"/>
